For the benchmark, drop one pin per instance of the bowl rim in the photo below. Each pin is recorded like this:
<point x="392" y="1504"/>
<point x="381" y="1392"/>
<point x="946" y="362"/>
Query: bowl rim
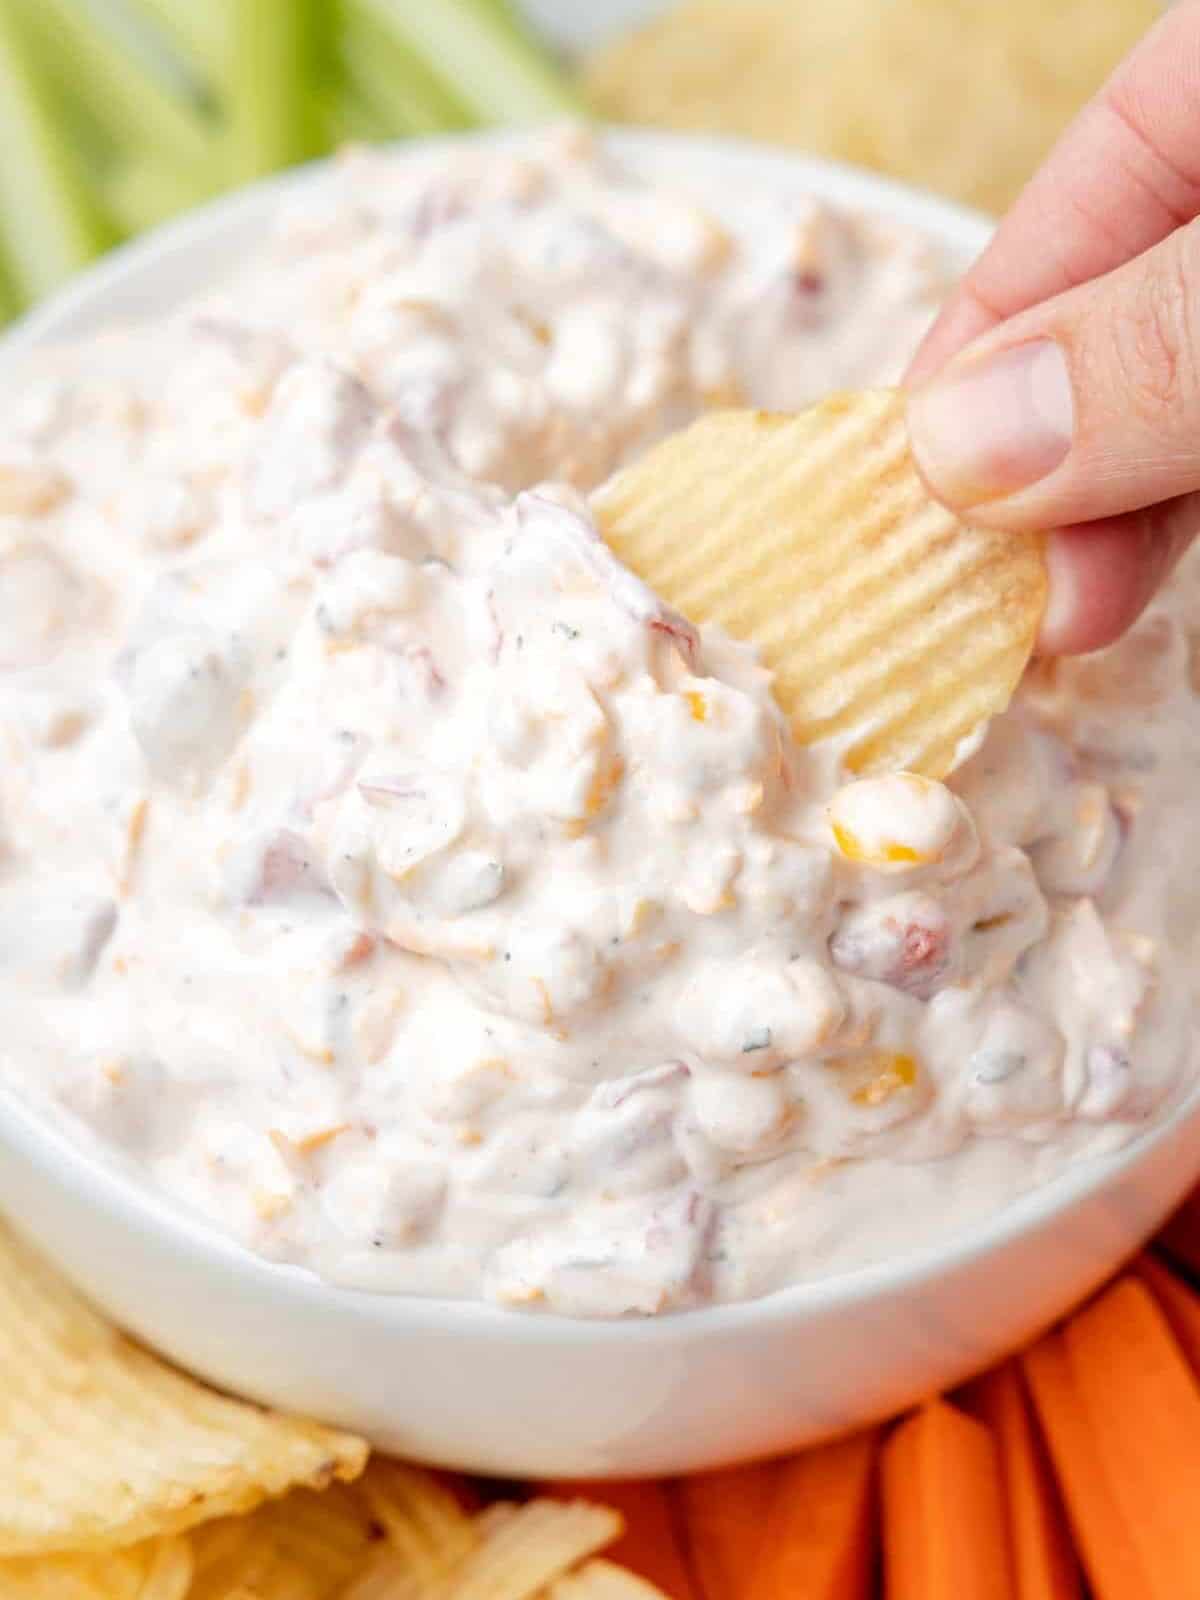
<point x="958" y="230"/>
<point x="101" y="1182"/>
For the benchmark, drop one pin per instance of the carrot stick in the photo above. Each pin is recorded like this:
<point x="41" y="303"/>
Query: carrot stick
<point x="649" y="1546"/>
<point x="1179" y="1304"/>
<point x="818" y="1538"/>
<point x="1113" y="1566"/>
<point x="723" y="1515"/>
<point x="1044" y="1565"/>
<point x="1181" y="1236"/>
<point x="944" y="1536"/>
<point x="904" y="1513"/>
<point x="1142" y="1402"/>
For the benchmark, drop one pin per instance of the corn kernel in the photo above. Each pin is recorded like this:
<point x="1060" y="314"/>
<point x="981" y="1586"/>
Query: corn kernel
<point x="306" y="1143"/>
<point x="707" y="902"/>
<point x="641" y="914"/>
<point x="897" y="821"/>
<point x="887" y="852"/>
<point x="604" y="785"/>
<point x="883" y="1074"/>
<point x="270" y="1204"/>
<point x="319" y="1054"/>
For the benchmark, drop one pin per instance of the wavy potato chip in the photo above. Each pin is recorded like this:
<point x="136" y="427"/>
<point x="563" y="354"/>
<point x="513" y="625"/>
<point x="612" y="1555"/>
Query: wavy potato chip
<point x="102" y="1444"/>
<point x="522" y="1550"/>
<point x="385" y="1576"/>
<point x="519" y="1550"/>
<point x="307" y="1546"/>
<point x="890" y="626"/>
<point x="421" y="1519"/>
<point x="962" y="96"/>
<point x="160" y="1569"/>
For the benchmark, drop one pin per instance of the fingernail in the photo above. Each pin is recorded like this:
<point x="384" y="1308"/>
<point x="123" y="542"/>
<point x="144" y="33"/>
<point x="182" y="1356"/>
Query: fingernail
<point x="991" y="425"/>
<point x="1062" y="597"/>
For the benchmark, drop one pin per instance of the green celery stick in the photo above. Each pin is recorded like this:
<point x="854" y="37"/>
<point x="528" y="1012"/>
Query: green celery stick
<point x="401" y="104"/>
<point x="119" y="86"/>
<point x="197" y="30"/>
<point x="141" y="192"/>
<point x="497" y="70"/>
<point x="9" y="303"/>
<point x="504" y="11"/>
<point x="402" y="87"/>
<point x="351" y="119"/>
<point x="48" y="225"/>
<point x="272" y="72"/>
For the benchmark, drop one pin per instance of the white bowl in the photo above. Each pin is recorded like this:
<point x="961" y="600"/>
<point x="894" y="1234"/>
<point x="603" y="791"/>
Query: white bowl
<point x="498" y="1391"/>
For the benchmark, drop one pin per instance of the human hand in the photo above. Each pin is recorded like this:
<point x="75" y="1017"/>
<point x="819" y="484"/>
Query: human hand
<point x="1060" y="387"/>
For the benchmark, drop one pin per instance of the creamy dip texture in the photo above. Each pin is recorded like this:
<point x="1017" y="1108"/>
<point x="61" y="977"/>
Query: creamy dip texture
<point x="388" y="877"/>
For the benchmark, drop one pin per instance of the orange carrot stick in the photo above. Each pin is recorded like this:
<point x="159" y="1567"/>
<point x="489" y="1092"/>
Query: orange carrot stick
<point x="1044" y="1565"/>
<point x="1179" y="1304"/>
<point x="1181" y="1236"/>
<point x="944" y="1536"/>
<point x="649" y="1545"/>
<point x="1113" y="1567"/>
<point x="818" y="1538"/>
<point x="723" y="1514"/>
<point x="1142" y="1403"/>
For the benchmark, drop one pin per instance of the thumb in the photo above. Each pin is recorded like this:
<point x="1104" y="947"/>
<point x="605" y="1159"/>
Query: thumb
<point x="1084" y="407"/>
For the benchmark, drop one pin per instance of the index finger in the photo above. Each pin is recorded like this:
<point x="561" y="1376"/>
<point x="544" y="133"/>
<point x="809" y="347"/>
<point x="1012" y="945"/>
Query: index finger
<point x="1124" y="175"/>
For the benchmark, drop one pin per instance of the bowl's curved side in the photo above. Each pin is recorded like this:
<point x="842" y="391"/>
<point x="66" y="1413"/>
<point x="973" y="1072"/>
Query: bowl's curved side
<point x="492" y="1391"/>
<point x="495" y="1391"/>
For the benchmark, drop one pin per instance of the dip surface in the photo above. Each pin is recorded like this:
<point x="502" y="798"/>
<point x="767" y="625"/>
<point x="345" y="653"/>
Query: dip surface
<point x="388" y="877"/>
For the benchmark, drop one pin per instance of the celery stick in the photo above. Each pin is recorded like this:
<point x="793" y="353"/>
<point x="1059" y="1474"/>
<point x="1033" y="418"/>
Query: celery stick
<point x="9" y="303"/>
<point x="351" y="119"/>
<point x="400" y="105"/>
<point x="271" y="71"/>
<point x="504" y="11"/>
<point x="402" y="87"/>
<point x="196" y="28"/>
<point x="498" y="71"/>
<point x="92" y="61"/>
<point x="162" y="61"/>
<point x="142" y="192"/>
<point x="48" y="227"/>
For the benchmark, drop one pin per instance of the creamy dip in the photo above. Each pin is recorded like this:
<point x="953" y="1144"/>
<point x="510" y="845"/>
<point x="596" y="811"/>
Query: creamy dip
<point x="388" y="877"/>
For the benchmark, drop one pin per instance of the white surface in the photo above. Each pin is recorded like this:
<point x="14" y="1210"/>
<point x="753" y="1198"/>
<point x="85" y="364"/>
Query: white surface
<point x="497" y="1391"/>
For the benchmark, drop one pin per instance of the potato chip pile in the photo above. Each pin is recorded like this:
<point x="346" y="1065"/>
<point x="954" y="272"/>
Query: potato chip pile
<point x="123" y="1479"/>
<point x="102" y="1444"/>
<point x="961" y="96"/>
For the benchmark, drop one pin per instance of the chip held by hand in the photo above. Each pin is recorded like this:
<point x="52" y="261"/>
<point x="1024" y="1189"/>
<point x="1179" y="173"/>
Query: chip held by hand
<point x="892" y="629"/>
